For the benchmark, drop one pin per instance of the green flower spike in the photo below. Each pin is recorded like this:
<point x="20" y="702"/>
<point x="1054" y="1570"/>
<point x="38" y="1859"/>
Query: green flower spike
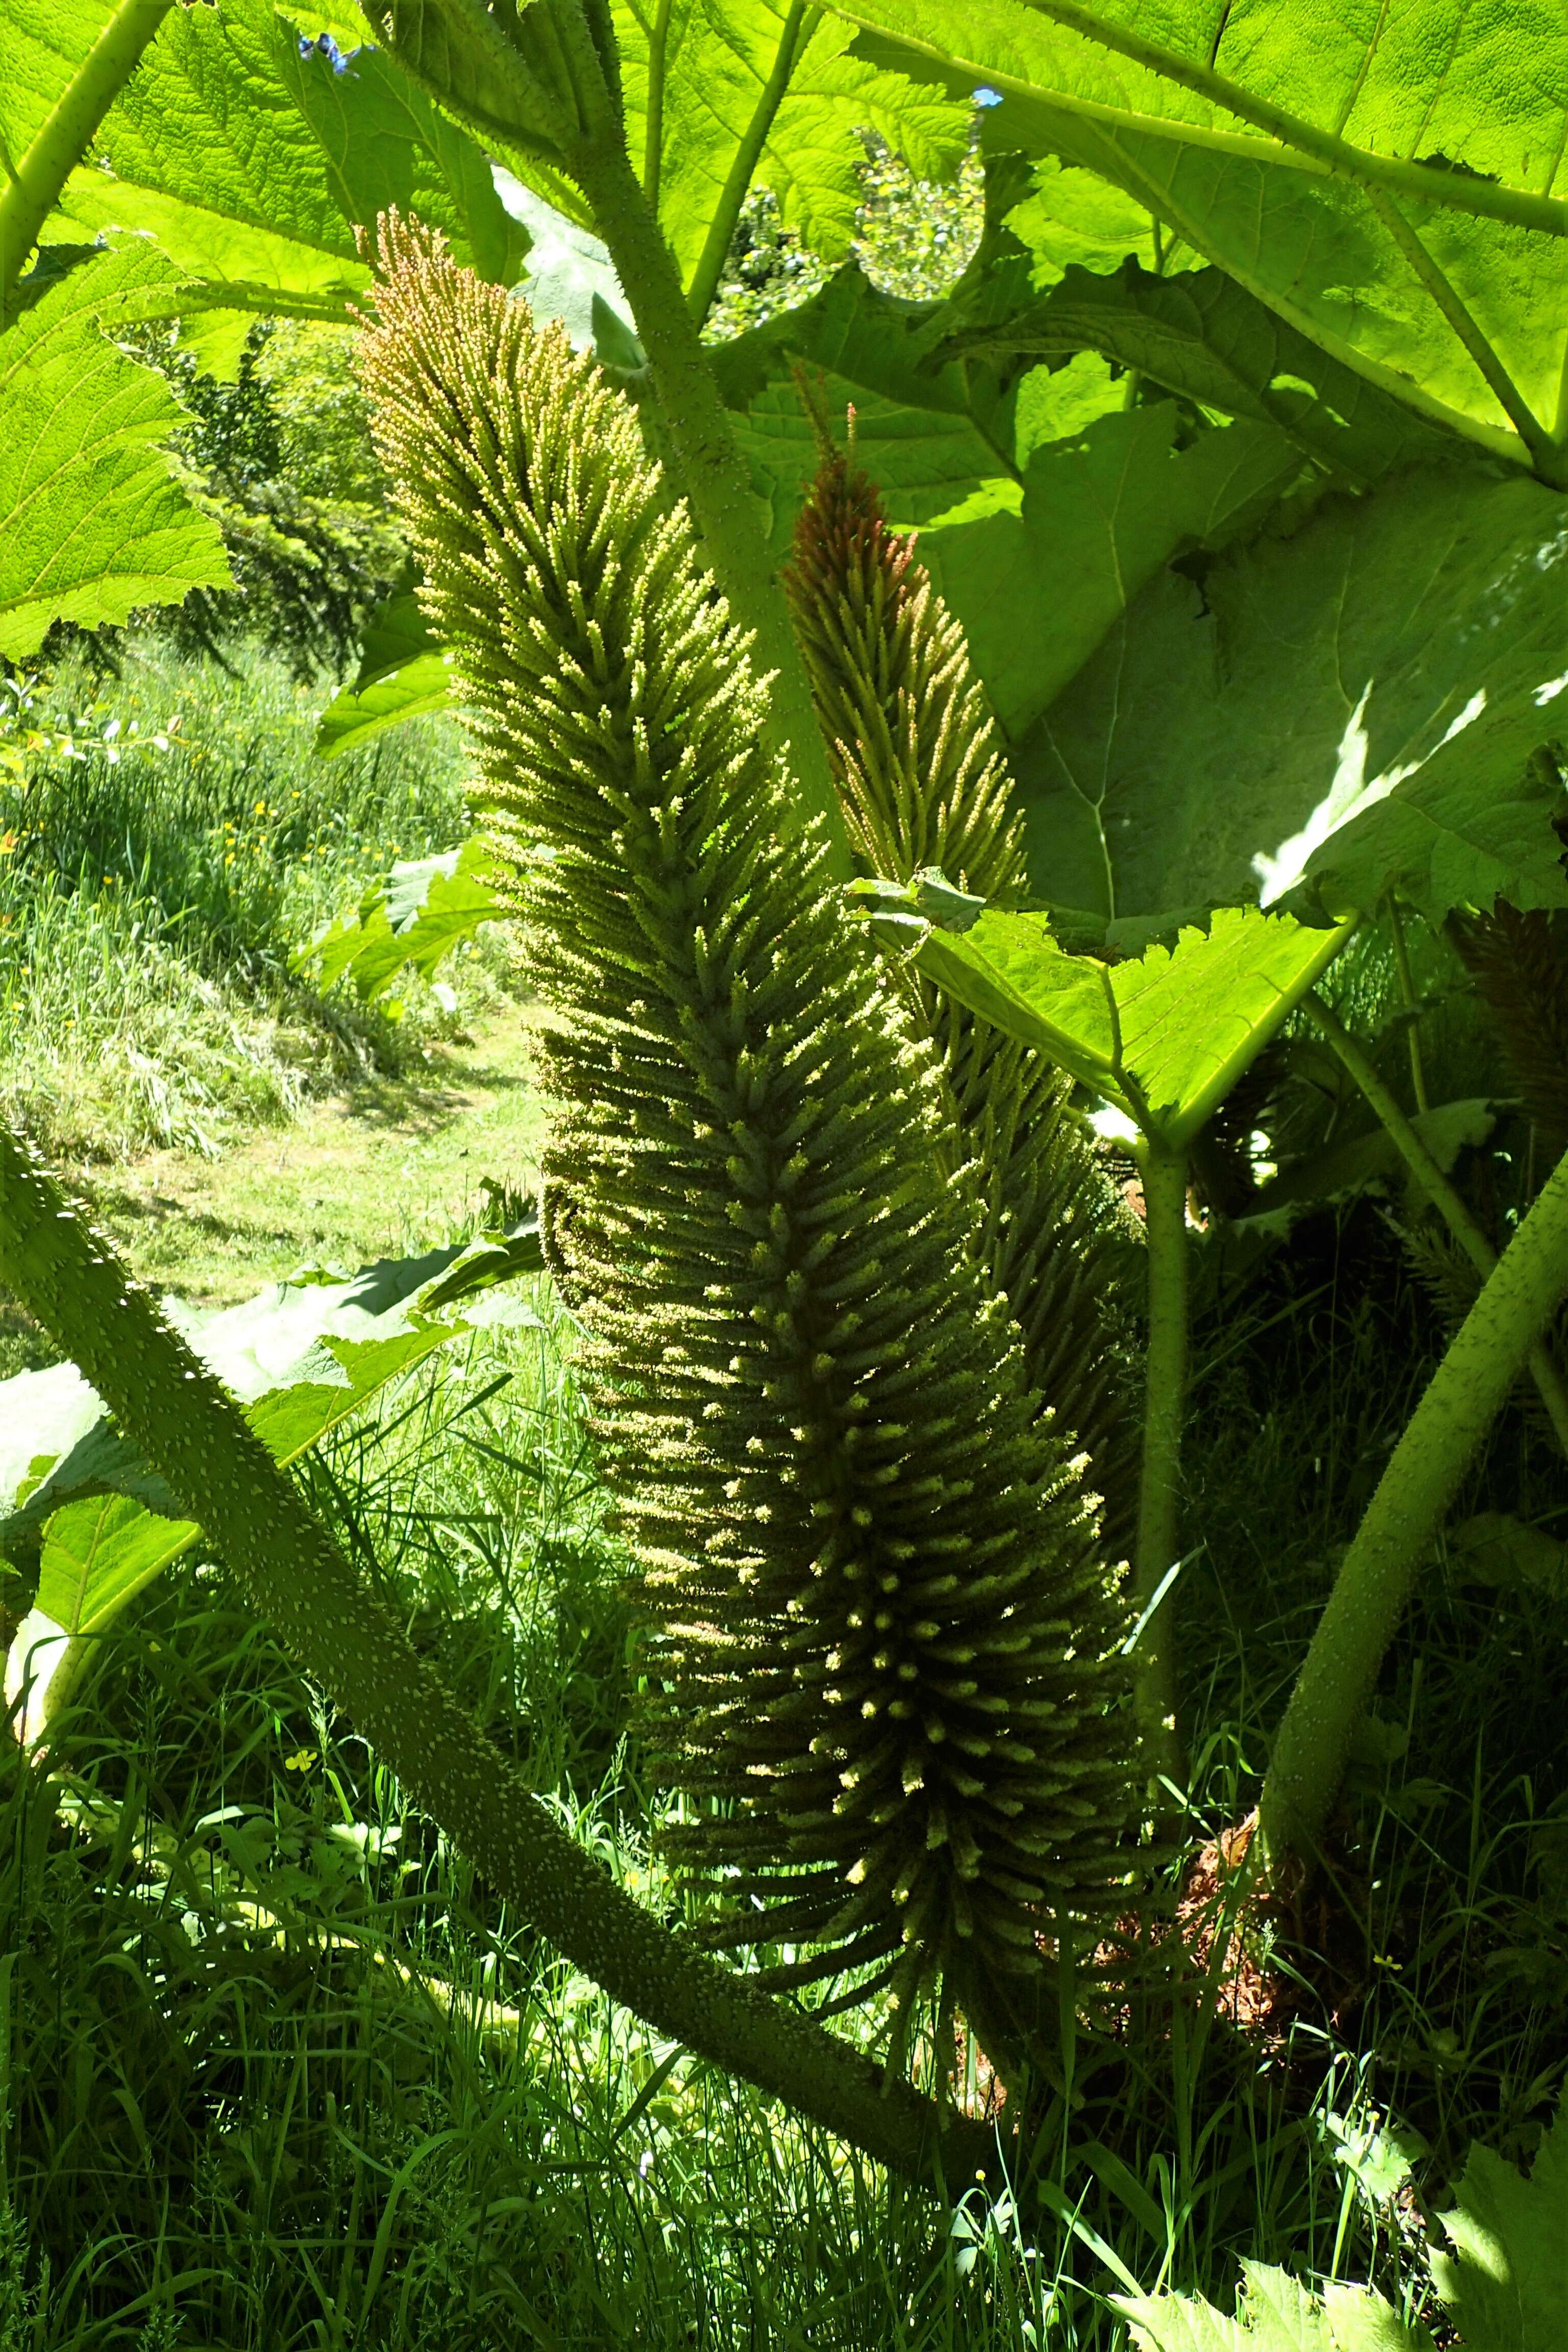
<point x="924" y="783"/>
<point x="885" y="1637"/>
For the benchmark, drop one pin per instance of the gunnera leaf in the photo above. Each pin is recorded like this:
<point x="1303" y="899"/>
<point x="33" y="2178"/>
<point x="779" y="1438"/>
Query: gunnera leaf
<point x="1274" y="2312"/>
<point x="1505" y="2285"/>
<point x="885" y="1641"/>
<point x="923" y="782"/>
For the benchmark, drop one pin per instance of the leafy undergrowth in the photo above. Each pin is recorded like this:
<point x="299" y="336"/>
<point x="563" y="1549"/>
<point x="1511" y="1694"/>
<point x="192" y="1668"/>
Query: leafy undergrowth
<point x="280" y="2071"/>
<point x="1437" y="1936"/>
<point x="1502" y="2277"/>
<point x="167" y="841"/>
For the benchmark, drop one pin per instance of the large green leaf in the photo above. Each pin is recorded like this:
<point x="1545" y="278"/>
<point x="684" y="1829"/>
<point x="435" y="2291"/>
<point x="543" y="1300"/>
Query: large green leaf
<point x="56" y="1441"/>
<point x="208" y="151"/>
<point x="1427" y="84"/>
<point x="45" y="1421"/>
<point x="570" y="274"/>
<point x="1505" y="2286"/>
<point x="97" y="1554"/>
<point x="42" y="44"/>
<point x="43" y="47"/>
<point x="412" y="921"/>
<point x="252" y="165"/>
<point x="1350" y="710"/>
<point x="358" y="713"/>
<point x="1281" y="169"/>
<point x="91" y="524"/>
<point x="478" y="73"/>
<point x="1230" y="1249"/>
<point x="1506" y="2282"/>
<point x="1163" y="1037"/>
<point x="1275" y="2313"/>
<point x="924" y="431"/>
<point x="1100" y="513"/>
<point x="1037" y="542"/>
<point x="1342" y="1170"/>
<point x="1203" y="336"/>
<point x="1073" y="218"/>
<point x="716" y="61"/>
<point x="63" y="63"/>
<point x="1317" y="252"/>
<point x="395" y="634"/>
<point x="339" y="19"/>
<point x="402" y="673"/>
<point x="385" y="143"/>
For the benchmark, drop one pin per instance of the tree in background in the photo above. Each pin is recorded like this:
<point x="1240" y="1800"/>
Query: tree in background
<point x="281" y="460"/>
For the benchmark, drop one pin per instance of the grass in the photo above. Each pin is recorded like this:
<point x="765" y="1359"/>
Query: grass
<point x="390" y="1166"/>
<point x="169" y="842"/>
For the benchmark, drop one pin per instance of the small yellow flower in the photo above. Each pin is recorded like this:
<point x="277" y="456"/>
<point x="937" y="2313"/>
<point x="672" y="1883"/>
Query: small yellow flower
<point x="300" y="1761"/>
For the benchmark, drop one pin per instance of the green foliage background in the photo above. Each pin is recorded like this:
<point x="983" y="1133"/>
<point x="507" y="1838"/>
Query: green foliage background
<point x="1244" y="478"/>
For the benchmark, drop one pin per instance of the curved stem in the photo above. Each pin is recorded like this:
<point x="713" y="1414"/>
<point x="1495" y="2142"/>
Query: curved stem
<point x="1407" y="998"/>
<point x="1422" y="1478"/>
<point x="715" y="250"/>
<point x="653" y="133"/>
<point x="712" y="472"/>
<point x="1164" y="1174"/>
<point x="1444" y="1197"/>
<point x="290" y="1571"/>
<point x="35" y="182"/>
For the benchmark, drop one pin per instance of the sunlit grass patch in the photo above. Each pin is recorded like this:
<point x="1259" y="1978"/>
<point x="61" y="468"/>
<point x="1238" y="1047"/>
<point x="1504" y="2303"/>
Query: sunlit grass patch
<point x="170" y="840"/>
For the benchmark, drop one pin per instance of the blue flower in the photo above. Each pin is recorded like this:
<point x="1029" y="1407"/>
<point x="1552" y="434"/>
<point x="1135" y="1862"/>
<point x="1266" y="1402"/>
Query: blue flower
<point x="323" y="45"/>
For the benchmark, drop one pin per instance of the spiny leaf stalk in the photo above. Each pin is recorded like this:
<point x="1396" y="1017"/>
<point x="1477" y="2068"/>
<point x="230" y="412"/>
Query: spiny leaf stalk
<point x="923" y="782"/>
<point x="293" y="1573"/>
<point x="886" y="1643"/>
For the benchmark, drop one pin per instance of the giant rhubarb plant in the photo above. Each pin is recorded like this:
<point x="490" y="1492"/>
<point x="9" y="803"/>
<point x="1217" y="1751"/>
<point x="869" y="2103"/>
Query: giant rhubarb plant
<point x="885" y="1635"/>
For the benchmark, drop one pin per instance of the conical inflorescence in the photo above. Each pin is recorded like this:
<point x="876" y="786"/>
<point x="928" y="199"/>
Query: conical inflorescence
<point x="886" y="1639"/>
<point x="923" y="782"/>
